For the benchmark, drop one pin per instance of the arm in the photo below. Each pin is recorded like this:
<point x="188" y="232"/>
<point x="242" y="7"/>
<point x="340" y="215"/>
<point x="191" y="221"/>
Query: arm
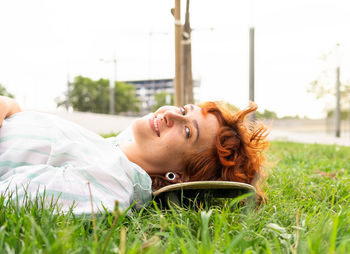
<point x="8" y="107"/>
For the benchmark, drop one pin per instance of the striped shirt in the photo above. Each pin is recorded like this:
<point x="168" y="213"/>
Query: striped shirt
<point x="41" y="154"/>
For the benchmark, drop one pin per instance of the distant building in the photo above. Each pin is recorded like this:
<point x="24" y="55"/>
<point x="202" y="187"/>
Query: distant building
<point x="147" y="89"/>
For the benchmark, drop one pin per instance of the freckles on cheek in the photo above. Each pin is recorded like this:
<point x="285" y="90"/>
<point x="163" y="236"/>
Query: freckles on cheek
<point x="174" y="152"/>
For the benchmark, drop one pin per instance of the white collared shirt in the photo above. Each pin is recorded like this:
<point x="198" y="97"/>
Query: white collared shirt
<point x="46" y="155"/>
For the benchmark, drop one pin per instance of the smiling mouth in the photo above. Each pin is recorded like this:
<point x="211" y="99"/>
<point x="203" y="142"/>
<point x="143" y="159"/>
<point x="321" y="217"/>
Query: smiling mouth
<point x="155" y="125"/>
<point x="155" y="122"/>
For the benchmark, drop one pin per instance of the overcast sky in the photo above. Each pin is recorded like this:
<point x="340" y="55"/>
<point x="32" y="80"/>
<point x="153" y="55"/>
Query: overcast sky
<point x="45" y="41"/>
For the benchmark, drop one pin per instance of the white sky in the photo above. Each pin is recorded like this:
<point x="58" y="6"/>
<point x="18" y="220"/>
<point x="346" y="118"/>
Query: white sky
<point x="44" y="41"/>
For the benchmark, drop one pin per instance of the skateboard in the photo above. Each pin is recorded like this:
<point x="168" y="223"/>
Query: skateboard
<point x="200" y="191"/>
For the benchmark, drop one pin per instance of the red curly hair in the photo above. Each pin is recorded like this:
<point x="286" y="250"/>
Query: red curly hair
<point x="238" y="154"/>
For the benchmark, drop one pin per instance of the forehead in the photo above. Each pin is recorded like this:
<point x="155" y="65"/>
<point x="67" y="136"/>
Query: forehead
<point x="207" y="123"/>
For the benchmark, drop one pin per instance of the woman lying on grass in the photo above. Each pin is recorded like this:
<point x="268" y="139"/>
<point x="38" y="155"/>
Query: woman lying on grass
<point x="43" y="154"/>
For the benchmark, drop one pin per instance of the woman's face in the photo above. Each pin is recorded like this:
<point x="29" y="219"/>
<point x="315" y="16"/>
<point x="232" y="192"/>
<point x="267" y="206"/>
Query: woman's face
<point x="165" y="136"/>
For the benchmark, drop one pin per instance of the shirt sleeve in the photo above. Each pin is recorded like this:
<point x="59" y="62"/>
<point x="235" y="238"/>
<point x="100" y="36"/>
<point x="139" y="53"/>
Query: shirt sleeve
<point x="68" y="187"/>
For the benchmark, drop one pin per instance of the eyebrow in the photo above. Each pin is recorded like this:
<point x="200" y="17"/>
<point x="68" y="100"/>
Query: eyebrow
<point x="195" y="123"/>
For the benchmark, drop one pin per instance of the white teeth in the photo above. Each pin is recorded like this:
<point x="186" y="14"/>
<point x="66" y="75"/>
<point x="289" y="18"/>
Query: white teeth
<point x="155" y="124"/>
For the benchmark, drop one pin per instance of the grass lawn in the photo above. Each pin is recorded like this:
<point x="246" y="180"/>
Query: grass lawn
<point x="308" y="212"/>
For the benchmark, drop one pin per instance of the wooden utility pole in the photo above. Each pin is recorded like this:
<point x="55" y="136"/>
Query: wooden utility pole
<point x="337" y="109"/>
<point x="112" y="82"/>
<point x="187" y="59"/>
<point x="68" y="93"/>
<point x="179" y="91"/>
<point x="251" y="64"/>
<point x="251" y="67"/>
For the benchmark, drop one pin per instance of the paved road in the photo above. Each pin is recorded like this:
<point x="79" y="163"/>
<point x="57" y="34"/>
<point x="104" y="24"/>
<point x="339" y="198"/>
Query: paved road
<point x="309" y="131"/>
<point x="297" y="131"/>
<point x="99" y="123"/>
<point x="309" y="137"/>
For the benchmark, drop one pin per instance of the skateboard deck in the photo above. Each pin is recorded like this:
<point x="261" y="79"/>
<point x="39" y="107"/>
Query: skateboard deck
<point x="183" y="193"/>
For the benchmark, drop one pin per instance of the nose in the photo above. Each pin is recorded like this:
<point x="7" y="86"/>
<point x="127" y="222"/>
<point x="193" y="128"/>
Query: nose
<point x="171" y="117"/>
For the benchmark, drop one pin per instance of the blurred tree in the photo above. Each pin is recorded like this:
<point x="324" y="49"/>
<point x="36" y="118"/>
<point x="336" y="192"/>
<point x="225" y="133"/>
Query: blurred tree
<point x="267" y="114"/>
<point x="344" y="115"/>
<point x="292" y="117"/>
<point x="88" y="95"/>
<point x="324" y="89"/>
<point x="125" y="98"/>
<point x="163" y="98"/>
<point x="4" y="92"/>
<point x="324" y="86"/>
<point x="231" y="107"/>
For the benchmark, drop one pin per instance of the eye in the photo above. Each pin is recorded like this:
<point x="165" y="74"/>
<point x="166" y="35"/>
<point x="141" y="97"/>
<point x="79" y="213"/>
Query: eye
<point x="183" y="111"/>
<point x="188" y="132"/>
<point x="187" y="129"/>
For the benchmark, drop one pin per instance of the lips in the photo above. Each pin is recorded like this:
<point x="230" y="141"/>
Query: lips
<point x="155" y="125"/>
